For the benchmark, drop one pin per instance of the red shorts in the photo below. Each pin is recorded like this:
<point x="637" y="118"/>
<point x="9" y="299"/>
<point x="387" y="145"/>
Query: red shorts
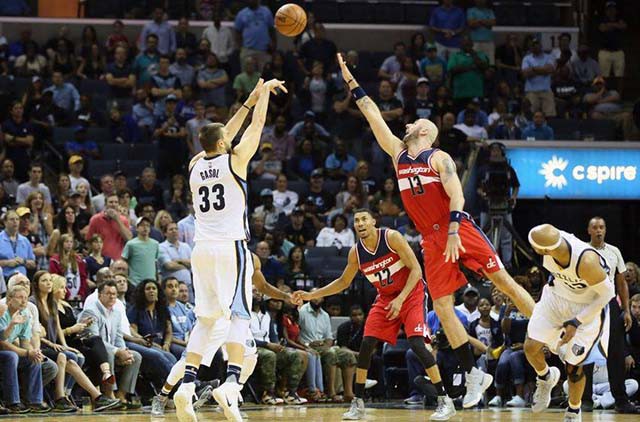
<point x="444" y="278"/>
<point x="412" y="315"/>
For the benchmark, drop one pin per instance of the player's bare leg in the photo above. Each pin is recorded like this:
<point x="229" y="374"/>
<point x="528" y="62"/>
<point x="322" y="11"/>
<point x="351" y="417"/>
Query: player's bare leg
<point x="547" y="377"/>
<point x="227" y="394"/>
<point x="476" y="381"/>
<point x="577" y="381"/>
<point x="518" y="295"/>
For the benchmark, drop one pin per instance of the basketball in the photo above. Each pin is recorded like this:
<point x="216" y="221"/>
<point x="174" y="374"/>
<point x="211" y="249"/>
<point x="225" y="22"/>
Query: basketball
<point x="291" y="20"/>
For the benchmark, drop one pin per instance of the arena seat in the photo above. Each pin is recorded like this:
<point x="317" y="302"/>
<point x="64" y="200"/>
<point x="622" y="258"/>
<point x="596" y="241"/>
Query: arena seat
<point x="332" y="186"/>
<point x="337" y="321"/>
<point x="115" y="151"/>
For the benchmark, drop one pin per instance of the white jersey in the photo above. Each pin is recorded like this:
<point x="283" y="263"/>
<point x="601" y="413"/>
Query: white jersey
<point x="219" y="200"/>
<point x="614" y="260"/>
<point x="566" y="281"/>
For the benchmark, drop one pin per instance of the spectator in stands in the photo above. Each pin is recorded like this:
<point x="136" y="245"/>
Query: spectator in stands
<point x="583" y="68"/>
<point x="70" y="265"/>
<point x="390" y="107"/>
<point x="176" y="197"/>
<point x="120" y="76"/>
<point x="163" y="85"/>
<point x="453" y="141"/>
<point x="564" y="85"/>
<point x="61" y="191"/>
<point x="369" y="183"/>
<point x="538" y="130"/>
<point x="300" y="231"/>
<point x="304" y="160"/>
<point x="80" y="146"/>
<point x="283" y="143"/>
<point x="509" y="59"/>
<point x="141" y="253"/>
<point x="467" y="68"/>
<point x="297" y="276"/>
<point x="447" y="22"/>
<point x="24" y="229"/>
<point x="632" y="276"/>
<point x="143" y="111"/>
<point x="182" y="69"/>
<point x="65" y="95"/>
<point x="107" y="323"/>
<point x="611" y="55"/>
<point x="93" y="64"/>
<point x="352" y="187"/>
<point x="220" y="38"/>
<point x="496" y="117"/>
<point x="481" y="20"/>
<point x="212" y="81"/>
<point x="16" y="253"/>
<point x="149" y="191"/>
<point x="34" y="184"/>
<point x="162" y="30"/>
<point x="508" y="129"/>
<point x="265" y="166"/>
<point x="488" y="331"/>
<point x="63" y="61"/>
<point x="417" y="46"/>
<point x="31" y="63"/>
<point x="603" y="102"/>
<point x="145" y="63"/>
<point x="106" y="188"/>
<point x="420" y="107"/>
<point x="300" y="130"/>
<point x="433" y="67"/>
<point x="283" y="198"/>
<point x="76" y="165"/>
<point x="175" y="257"/>
<point x="185" y="39"/>
<point x="469" y="305"/>
<point x="193" y="127"/>
<point x="393" y="64"/>
<point x="315" y="331"/>
<point x="82" y="216"/>
<point x="272" y="269"/>
<point x="18" y="137"/>
<point x="564" y="44"/>
<point x="182" y="318"/>
<point x="41" y="218"/>
<point x="171" y="134"/>
<point x="112" y="227"/>
<point x="16" y="325"/>
<point x="537" y="67"/>
<point x="340" y="163"/>
<point x="255" y="34"/>
<point x="95" y="260"/>
<point x="67" y="222"/>
<point x="9" y="183"/>
<point x="244" y="82"/>
<point x="470" y="128"/>
<point x="314" y="90"/>
<point x="116" y="38"/>
<point x="338" y="234"/>
<point x="387" y="200"/>
<point x="318" y="49"/>
<point x="473" y="106"/>
<point x="87" y="115"/>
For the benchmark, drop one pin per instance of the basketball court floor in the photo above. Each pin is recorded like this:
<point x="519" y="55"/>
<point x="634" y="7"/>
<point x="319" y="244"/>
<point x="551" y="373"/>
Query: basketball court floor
<point x="381" y="412"/>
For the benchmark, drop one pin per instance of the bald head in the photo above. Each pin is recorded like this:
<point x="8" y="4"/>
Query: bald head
<point x="422" y="131"/>
<point x="544" y="238"/>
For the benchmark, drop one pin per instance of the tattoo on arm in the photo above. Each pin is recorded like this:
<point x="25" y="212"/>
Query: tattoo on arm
<point x="365" y="104"/>
<point x="448" y="169"/>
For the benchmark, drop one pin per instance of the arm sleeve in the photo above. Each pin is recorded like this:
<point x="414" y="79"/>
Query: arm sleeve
<point x="606" y="291"/>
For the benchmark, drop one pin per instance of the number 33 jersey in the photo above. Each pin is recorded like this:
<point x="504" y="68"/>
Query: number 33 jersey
<point x="382" y="266"/>
<point x="219" y="200"/>
<point x="566" y="281"/>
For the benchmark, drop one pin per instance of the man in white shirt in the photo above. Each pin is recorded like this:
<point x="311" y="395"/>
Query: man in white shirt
<point x="34" y="183"/>
<point x="470" y="128"/>
<point x="469" y="305"/>
<point x="76" y="164"/>
<point x="220" y="38"/>
<point x="107" y="188"/>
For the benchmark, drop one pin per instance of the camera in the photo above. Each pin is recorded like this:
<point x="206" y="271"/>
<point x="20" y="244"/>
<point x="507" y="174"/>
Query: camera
<point x="497" y="186"/>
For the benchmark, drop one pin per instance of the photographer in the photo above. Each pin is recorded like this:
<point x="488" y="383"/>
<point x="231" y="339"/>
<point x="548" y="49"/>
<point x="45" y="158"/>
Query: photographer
<point x="498" y="187"/>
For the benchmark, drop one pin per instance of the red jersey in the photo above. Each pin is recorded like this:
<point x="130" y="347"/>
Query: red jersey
<point x="382" y="266"/>
<point x="423" y="195"/>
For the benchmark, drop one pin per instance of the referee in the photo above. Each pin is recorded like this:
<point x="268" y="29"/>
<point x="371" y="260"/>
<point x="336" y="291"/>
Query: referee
<point x="620" y="320"/>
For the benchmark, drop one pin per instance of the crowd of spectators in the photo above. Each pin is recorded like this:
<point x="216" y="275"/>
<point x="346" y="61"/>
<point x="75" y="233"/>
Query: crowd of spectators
<point x="118" y="250"/>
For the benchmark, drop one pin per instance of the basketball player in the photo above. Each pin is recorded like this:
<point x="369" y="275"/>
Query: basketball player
<point x="250" y="354"/>
<point x="572" y="316"/>
<point x="619" y="319"/>
<point x="222" y="265"/>
<point x="388" y="262"/>
<point x="433" y="198"/>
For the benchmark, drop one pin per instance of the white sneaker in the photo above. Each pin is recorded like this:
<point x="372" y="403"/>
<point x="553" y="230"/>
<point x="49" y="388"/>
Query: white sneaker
<point x="516" y="401"/>
<point x="183" y="398"/>
<point x="542" y="395"/>
<point x="356" y="411"/>
<point x="572" y="417"/>
<point x="477" y="383"/>
<point x="495" y="402"/>
<point x="370" y="384"/>
<point x="445" y="410"/>
<point x="227" y="397"/>
<point x="157" y="405"/>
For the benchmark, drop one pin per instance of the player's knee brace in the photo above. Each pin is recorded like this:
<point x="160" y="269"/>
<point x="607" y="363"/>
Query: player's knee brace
<point x="575" y="374"/>
<point x="420" y="349"/>
<point x="366" y="351"/>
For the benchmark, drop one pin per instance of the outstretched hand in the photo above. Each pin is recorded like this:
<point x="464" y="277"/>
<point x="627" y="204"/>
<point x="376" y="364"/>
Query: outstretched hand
<point x="255" y="94"/>
<point x="273" y="86"/>
<point x="300" y="296"/>
<point x="346" y="73"/>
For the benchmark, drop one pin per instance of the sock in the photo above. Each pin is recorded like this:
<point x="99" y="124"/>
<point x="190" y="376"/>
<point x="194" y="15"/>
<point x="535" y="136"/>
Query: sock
<point x="190" y="373"/>
<point x="165" y="391"/>
<point x="233" y="373"/>
<point x="465" y="356"/>
<point x="545" y="375"/>
<point x="440" y="389"/>
<point x="359" y="390"/>
<point x="573" y="409"/>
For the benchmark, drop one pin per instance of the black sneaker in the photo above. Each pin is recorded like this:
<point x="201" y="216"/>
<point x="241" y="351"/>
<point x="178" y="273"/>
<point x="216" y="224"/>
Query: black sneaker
<point x="40" y="408"/>
<point x="627" y="408"/>
<point x="63" y="405"/>
<point x="104" y="403"/>
<point x="18" y="408"/>
<point x="587" y="406"/>
<point x="3" y="410"/>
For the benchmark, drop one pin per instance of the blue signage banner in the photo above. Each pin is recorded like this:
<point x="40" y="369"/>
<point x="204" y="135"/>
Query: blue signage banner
<point x="562" y="173"/>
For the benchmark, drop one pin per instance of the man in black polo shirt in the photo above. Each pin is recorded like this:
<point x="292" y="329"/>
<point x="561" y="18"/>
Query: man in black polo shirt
<point x="18" y="138"/>
<point x="300" y="231"/>
<point x="453" y="141"/>
<point x="120" y="77"/>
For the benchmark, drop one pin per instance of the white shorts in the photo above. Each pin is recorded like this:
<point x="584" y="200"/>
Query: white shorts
<point x="222" y="273"/>
<point x="546" y="322"/>
<point x="224" y="332"/>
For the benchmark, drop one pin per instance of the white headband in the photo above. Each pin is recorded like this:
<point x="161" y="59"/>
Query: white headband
<point x="539" y="246"/>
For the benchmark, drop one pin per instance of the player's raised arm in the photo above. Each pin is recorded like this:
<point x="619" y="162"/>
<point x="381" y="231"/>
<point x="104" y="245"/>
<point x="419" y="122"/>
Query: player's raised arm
<point x="401" y="246"/>
<point x="445" y="166"/>
<point x="250" y="140"/>
<point x="235" y="123"/>
<point x="390" y="143"/>
<point x="263" y="285"/>
<point x="335" y="286"/>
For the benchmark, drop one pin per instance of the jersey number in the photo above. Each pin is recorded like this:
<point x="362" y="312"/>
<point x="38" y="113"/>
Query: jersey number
<point x="416" y="185"/>
<point x="384" y="277"/>
<point x="217" y="197"/>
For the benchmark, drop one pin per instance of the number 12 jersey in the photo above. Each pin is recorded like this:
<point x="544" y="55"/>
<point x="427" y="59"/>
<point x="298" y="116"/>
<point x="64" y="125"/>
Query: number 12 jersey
<point x="219" y="200"/>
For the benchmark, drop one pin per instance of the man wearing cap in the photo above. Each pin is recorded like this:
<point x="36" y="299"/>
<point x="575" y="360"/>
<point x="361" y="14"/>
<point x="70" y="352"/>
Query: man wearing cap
<point x="16" y="253"/>
<point x="583" y="68"/>
<point x="433" y="66"/>
<point x="65" y="95"/>
<point x="602" y="101"/>
<point x="76" y="165"/>
<point x="267" y="210"/>
<point x="142" y="253"/>
<point x="469" y="305"/>
<point x="537" y="68"/>
<point x="325" y="201"/>
<point x="611" y="55"/>
<point x="481" y="20"/>
<point x="299" y="231"/>
<point x="112" y="227"/>
<point x="266" y="167"/>
<point x="467" y="68"/>
<point x="170" y="132"/>
<point x="421" y="107"/>
<point x="34" y="184"/>
<point x="309" y="118"/>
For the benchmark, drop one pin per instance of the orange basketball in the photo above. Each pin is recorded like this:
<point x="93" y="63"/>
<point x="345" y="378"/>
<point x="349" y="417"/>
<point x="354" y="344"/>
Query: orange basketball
<point x="290" y="20"/>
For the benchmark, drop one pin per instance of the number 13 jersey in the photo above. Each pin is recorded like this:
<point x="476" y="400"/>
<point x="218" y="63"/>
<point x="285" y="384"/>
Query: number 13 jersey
<point x="382" y="267"/>
<point x="219" y="200"/>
